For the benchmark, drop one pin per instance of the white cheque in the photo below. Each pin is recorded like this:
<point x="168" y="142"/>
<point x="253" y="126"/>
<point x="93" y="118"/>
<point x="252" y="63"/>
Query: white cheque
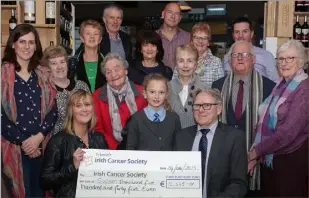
<point x="111" y="173"/>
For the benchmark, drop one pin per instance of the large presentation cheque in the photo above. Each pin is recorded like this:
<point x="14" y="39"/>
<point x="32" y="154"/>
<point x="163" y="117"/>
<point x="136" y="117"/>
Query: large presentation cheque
<point x="111" y="173"/>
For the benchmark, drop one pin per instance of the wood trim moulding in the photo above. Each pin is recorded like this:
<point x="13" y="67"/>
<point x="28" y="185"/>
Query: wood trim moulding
<point x="270" y="19"/>
<point x="285" y="18"/>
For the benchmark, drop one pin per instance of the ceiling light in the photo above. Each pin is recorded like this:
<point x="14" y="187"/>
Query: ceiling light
<point x="215" y="9"/>
<point x="184" y="6"/>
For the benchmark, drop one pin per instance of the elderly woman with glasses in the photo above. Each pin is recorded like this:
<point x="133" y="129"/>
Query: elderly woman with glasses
<point x="116" y="101"/>
<point x="209" y="68"/>
<point x="56" y="58"/>
<point x="281" y="141"/>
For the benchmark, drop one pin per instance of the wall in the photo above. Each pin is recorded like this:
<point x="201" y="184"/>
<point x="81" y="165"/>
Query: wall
<point x="254" y="9"/>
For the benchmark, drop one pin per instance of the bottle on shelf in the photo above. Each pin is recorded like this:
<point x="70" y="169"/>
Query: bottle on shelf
<point x="305" y="6"/>
<point x="29" y="11"/>
<point x="50" y="12"/>
<point x="305" y="33"/>
<point x="299" y="6"/>
<point x="12" y="21"/>
<point x="297" y="30"/>
<point x="4" y="2"/>
<point x="51" y="43"/>
<point x="12" y="2"/>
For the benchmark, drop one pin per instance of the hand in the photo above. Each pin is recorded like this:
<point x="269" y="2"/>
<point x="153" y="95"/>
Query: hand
<point x="78" y="156"/>
<point x="252" y="155"/>
<point x="251" y="166"/>
<point x="36" y="153"/>
<point x="32" y="143"/>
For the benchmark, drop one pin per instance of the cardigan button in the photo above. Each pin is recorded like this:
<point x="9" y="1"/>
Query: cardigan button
<point x="159" y="138"/>
<point x="236" y="126"/>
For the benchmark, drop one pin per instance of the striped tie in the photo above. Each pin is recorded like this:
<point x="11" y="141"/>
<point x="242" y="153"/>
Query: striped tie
<point x="203" y="148"/>
<point x="157" y="119"/>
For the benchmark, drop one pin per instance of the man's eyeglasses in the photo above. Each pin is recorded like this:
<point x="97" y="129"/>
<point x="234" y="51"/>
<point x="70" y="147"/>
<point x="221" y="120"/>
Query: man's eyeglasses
<point x="197" y="38"/>
<point x="206" y="106"/>
<point x="287" y="59"/>
<point x="242" y="55"/>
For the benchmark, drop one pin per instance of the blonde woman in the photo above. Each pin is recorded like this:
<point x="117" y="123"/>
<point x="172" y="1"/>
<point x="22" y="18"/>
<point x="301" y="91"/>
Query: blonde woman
<point x="64" y="150"/>
<point x="209" y="67"/>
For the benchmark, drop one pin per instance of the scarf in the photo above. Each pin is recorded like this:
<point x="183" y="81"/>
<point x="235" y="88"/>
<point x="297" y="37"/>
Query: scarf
<point x="127" y="94"/>
<point x="269" y="109"/>
<point x="11" y="153"/>
<point x="254" y="100"/>
<point x="201" y="67"/>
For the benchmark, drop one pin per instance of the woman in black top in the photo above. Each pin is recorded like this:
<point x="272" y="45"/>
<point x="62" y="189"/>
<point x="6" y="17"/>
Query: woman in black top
<point x="149" y="55"/>
<point x="55" y="57"/>
<point x="64" y="150"/>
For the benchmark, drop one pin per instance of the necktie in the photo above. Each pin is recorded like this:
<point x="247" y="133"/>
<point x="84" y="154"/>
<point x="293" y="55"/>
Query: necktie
<point x="203" y="148"/>
<point x="240" y="95"/>
<point x="156" y="119"/>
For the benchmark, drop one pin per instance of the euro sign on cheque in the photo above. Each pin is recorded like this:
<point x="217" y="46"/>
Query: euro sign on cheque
<point x="147" y="174"/>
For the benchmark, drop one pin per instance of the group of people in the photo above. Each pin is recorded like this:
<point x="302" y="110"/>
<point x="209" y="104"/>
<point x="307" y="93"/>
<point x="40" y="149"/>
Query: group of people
<point x="248" y="116"/>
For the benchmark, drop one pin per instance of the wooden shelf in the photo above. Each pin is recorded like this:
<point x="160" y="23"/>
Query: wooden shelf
<point x="8" y="6"/>
<point x="43" y="25"/>
<point x="301" y="13"/>
<point x="3" y="45"/>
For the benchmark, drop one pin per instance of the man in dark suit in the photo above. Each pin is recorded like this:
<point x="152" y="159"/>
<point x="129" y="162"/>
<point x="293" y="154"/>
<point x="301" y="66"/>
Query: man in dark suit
<point x="113" y="39"/>
<point x="242" y="91"/>
<point x="223" y="149"/>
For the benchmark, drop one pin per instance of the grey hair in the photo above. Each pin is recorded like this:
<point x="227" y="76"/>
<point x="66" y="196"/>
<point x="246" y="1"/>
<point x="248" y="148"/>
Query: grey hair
<point x="252" y="51"/>
<point x="215" y="93"/>
<point x="300" y="50"/>
<point x="111" y="7"/>
<point x="111" y="56"/>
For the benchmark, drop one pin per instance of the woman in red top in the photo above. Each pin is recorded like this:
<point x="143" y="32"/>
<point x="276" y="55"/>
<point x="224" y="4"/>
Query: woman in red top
<point x="116" y="101"/>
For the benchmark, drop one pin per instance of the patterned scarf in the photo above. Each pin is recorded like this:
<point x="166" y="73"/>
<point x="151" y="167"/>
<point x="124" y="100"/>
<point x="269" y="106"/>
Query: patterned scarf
<point x="128" y="95"/>
<point x="11" y="153"/>
<point x="254" y="100"/>
<point x="269" y="109"/>
<point x="200" y="69"/>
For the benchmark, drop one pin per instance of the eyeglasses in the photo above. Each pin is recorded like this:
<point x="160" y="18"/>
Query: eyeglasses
<point x="206" y="106"/>
<point x="197" y="38"/>
<point x="287" y="59"/>
<point x="242" y="55"/>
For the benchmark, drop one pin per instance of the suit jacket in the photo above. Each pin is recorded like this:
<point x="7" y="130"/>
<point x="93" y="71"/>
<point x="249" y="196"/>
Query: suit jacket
<point x="268" y="86"/>
<point x="105" y="45"/>
<point x="227" y="161"/>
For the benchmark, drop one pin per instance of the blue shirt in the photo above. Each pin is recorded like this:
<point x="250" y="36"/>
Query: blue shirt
<point x="149" y="111"/>
<point x="265" y="64"/>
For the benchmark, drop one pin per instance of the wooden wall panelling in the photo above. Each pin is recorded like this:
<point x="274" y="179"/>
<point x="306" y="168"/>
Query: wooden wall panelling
<point x="285" y="11"/>
<point x="270" y="18"/>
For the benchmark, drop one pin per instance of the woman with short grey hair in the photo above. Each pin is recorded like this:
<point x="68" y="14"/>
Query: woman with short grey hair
<point x="281" y="141"/>
<point x="117" y="100"/>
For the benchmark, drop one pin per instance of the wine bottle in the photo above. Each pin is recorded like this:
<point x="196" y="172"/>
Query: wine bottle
<point x="51" y="43"/>
<point x="305" y="6"/>
<point x="29" y="10"/>
<point x="4" y="2"/>
<point x="298" y="6"/>
<point x="297" y="30"/>
<point x="305" y="32"/>
<point x="12" y="21"/>
<point x="50" y="8"/>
